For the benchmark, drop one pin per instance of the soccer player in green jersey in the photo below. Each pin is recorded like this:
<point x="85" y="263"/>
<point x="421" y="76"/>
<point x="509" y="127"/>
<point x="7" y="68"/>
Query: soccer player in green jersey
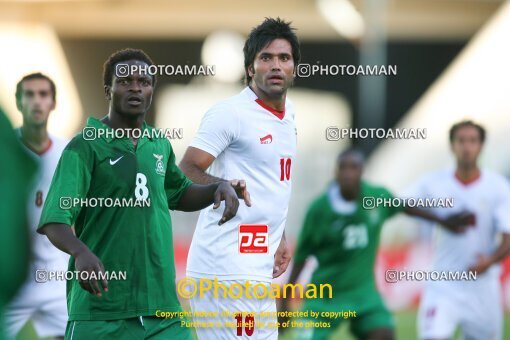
<point x="136" y="238"/>
<point x="343" y="234"/>
<point x="17" y="173"/>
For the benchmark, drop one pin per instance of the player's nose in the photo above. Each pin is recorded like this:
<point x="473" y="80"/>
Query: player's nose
<point x="275" y="66"/>
<point x="135" y="87"/>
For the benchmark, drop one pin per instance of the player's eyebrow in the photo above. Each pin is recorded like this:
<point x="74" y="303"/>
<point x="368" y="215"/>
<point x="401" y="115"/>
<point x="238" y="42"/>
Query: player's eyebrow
<point x="144" y="77"/>
<point x="44" y="92"/>
<point x="268" y="54"/>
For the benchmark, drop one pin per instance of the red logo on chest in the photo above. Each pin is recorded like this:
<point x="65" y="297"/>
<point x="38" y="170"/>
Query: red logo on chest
<point x="266" y="139"/>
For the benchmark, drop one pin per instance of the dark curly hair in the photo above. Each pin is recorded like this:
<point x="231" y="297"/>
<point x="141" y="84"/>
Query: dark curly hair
<point x="263" y="35"/>
<point x="124" y="55"/>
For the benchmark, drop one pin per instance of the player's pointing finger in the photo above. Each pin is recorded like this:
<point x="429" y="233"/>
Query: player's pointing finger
<point x="104" y="283"/>
<point x="246" y="197"/>
<point x="217" y="199"/>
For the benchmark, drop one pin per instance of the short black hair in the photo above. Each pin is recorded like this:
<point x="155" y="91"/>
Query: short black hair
<point x="124" y="55"/>
<point x="263" y="35"/>
<point x="465" y="123"/>
<point x="31" y="76"/>
<point x="352" y="151"/>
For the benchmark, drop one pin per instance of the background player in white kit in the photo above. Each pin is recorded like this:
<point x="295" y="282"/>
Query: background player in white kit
<point x="474" y="306"/>
<point x="250" y="136"/>
<point x="42" y="302"/>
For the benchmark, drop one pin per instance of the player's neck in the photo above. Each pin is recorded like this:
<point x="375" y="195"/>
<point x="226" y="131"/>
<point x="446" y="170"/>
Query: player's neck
<point x="467" y="173"/>
<point x="349" y="195"/>
<point x="35" y="137"/>
<point x="117" y="121"/>
<point x="276" y="103"/>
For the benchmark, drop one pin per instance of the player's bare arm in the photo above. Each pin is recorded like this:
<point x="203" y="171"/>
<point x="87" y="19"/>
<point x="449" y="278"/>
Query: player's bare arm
<point x="456" y="223"/>
<point x="62" y="237"/>
<point x="199" y="196"/>
<point x="281" y="258"/>
<point x="485" y="261"/>
<point x="194" y="164"/>
<point x="294" y="274"/>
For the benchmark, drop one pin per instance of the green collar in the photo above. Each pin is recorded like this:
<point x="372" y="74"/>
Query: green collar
<point x="94" y="125"/>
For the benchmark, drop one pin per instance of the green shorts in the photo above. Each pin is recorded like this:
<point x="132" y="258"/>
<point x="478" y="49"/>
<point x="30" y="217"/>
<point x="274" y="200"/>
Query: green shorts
<point x="367" y="313"/>
<point x="146" y="327"/>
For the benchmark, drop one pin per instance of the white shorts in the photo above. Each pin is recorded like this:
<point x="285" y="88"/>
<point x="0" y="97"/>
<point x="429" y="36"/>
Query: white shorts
<point x="226" y="322"/>
<point x="43" y="303"/>
<point x="474" y="307"/>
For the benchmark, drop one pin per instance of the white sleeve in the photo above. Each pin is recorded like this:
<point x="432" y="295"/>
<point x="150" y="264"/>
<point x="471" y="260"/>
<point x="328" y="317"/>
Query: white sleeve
<point x="218" y="129"/>
<point x="502" y="210"/>
<point x="416" y="190"/>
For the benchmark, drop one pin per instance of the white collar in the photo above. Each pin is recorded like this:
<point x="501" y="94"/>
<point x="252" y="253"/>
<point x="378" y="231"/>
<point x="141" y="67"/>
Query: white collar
<point x="339" y="204"/>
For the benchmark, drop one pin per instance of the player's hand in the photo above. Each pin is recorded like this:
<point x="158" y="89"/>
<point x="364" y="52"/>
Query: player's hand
<point x="239" y="186"/>
<point x="458" y="223"/>
<point x="86" y="261"/>
<point x="225" y="192"/>
<point x="481" y="266"/>
<point x="281" y="259"/>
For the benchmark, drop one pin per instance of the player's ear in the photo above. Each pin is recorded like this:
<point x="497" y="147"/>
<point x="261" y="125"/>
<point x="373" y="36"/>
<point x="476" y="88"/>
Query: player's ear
<point x="251" y="71"/>
<point x="108" y="92"/>
<point x="53" y="104"/>
<point x="451" y="147"/>
<point x="18" y="104"/>
<point x="337" y="171"/>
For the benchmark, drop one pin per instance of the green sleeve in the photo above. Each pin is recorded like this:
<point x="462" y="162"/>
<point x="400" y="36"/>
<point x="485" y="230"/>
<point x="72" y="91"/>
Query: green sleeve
<point x="307" y="240"/>
<point x="176" y="182"/>
<point x="392" y="210"/>
<point x="71" y="181"/>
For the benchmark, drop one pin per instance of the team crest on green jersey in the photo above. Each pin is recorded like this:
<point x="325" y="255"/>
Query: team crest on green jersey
<point x="160" y="168"/>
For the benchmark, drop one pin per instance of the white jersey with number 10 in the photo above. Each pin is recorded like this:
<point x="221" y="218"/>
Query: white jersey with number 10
<point x="250" y="141"/>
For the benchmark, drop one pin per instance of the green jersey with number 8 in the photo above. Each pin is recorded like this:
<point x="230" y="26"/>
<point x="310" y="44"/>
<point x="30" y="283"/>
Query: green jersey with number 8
<point x="118" y="198"/>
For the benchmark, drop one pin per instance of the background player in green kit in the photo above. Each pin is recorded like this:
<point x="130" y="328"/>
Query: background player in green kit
<point x="344" y="237"/>
<point x="134" y="239"/>
<point x="16" y="180"/>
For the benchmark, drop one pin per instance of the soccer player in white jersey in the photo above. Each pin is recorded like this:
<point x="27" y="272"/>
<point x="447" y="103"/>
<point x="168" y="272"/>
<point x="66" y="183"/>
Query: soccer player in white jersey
<point x="250" y="136"/>
<point x="44" y="303"/>
<point x="475" y="306"/>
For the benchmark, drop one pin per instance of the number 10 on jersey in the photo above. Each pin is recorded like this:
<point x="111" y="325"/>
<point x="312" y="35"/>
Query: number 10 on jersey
<point x="285" y="164"/>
